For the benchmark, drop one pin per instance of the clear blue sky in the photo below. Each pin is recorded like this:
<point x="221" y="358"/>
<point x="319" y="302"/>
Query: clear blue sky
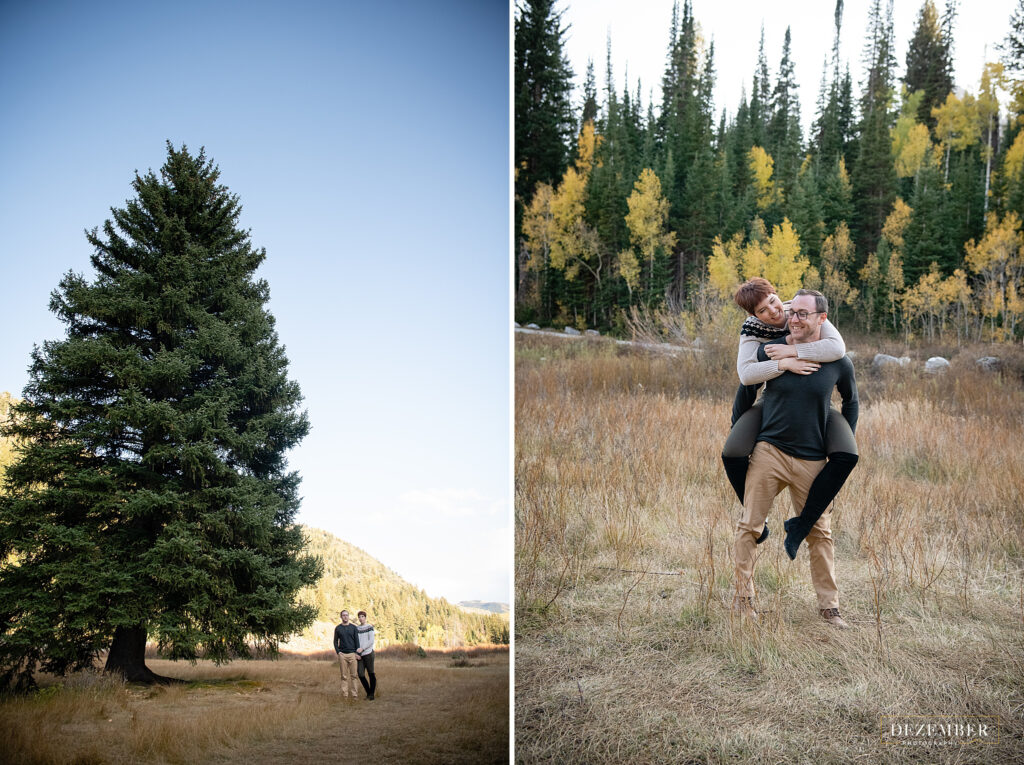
<point x="369" y="145"/>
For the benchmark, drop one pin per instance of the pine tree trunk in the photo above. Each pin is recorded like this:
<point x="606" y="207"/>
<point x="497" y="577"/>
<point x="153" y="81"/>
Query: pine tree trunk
<point x="127" y="657"/>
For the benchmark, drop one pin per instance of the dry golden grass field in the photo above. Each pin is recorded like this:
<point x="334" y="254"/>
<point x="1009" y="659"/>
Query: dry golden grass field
<point x="626" y="649"/>
<point x="439" y="709"/>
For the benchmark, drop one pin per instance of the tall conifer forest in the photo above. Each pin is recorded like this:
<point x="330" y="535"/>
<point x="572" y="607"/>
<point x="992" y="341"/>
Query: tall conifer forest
<point x="902" y="201"/>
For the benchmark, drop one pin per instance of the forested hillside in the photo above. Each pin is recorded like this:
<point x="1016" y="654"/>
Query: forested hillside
<point x="400" y="612"/>
<point x="902" y="201"/>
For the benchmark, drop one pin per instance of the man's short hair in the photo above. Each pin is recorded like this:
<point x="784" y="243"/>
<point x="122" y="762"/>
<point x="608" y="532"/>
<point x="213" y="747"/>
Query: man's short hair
<point x="343" y="611"/>
<point x="752" y="292"/>
<point x="361" y="613"/>
<point x="820" y="301"/>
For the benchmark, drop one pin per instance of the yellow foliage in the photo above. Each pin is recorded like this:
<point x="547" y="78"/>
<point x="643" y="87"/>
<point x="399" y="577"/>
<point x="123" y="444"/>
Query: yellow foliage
<point x="784" y="266"/>
<point x="722" y="265"/>
<point x="1014" y="160"/>
<point x="629" y="269"/>
<point x="754" y="261"/>
<point x="844" y="177"/>
<point x="957" y="125"/>
<point x="999" y="249"/>
<point x="587" y="144"/>
<point x="776" y="258"/>
<point x="910" y="144"/>
<point x="930" y="296"/>
<point x="761" y="167"/>
<point x="570" y="245"/>
<point x="539" y="227"/>
<point x="896" y="223"/>
<point x="871" y="272"/>
<point x="999" y="259"/>
<point x="836" y="253"/>
<point x="648" y="216"/>
<point x="894" y="274"/>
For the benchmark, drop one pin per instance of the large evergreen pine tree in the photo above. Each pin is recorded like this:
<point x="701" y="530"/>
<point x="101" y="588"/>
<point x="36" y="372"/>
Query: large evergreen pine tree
<point x="152" y="498"/>
<point x="544" y="121"/>
<point x="873" y="175"/>
<point x="929" y="63"/>
<point x="783" y="134"/>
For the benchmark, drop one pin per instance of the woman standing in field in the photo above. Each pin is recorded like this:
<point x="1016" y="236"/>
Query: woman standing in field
<point x="767" y="321"/>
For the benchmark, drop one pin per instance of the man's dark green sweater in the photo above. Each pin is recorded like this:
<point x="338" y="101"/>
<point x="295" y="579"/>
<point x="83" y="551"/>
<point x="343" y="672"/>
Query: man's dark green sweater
<point x="795" y="407"/>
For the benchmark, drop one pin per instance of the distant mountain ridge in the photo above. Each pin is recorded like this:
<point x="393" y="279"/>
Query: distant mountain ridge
<point x="399" y="611"/>
<point x="490" y="607"/>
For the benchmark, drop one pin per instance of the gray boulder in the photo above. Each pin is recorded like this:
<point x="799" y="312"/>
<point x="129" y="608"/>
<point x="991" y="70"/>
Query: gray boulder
<point x="572" y="331"/>
<point x="990" y="363"/>
<point x="531" y="325"/>
<point x="883" y="360"/>
<point x="592" y="332"/>
<point x="935" y="365"/>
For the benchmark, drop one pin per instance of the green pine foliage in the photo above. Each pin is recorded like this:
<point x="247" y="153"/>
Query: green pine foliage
<point x="399" y="612"/>
<point x="543" y="88"/>
<point x="152" y="495"/>
<point x="929" y="63"/>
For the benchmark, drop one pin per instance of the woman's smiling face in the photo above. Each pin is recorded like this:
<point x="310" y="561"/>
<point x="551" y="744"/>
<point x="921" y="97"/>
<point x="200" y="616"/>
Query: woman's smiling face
<point x="770" y="311"/>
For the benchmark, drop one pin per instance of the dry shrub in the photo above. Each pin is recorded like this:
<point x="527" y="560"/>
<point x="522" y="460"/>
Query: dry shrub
<point x="626" y="647"/>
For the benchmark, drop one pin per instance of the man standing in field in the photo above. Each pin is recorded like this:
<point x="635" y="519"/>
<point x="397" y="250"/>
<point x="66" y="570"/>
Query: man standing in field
<point x="346" y="644"/>
<point x="790" y="451"/>
<point x="365" y="651"/>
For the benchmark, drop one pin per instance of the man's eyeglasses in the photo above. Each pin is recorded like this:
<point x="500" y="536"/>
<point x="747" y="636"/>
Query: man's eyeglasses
<point x="802" y="315"/>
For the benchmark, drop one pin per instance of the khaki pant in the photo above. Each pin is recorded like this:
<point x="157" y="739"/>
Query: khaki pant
<point x="771" y="470"/>
<point x="348" y="674"/>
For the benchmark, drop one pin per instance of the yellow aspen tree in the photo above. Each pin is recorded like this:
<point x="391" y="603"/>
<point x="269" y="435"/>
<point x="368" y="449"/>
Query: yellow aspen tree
<point x="927" y="301"/>
<point x="754" y="261"/>
<point x="574" y="244"/>
<point x="1011" y="172"/>
<point x="896" y="223"/>
<point x="988" y="112"/>
<point x="723" y="265"/>
<point x="873" y="280"/>
<point x="910" y="139"/>
<point x="538" y="233"/>
<point x="999" y="261"/>
<point x="1014" y="308"/>
<point x="647" y="220"/>
<point x="538" y="228"/>
<point x="753" y="258"/>
<point x="587" y="144"/>
<point x="892" y="231"/>
<point x="910" y="145"/>
<point x="957" y="125"/>
<point x="1014" y="160"/>
<point x="567" y="246"/>
<point x="629" y="270"/>
<point x="959" y="297"/>
<point x="894" y="283"/>
<point x="761" y="167"/>
<point x="837" y="253"/>
<point x="784" y="265"/>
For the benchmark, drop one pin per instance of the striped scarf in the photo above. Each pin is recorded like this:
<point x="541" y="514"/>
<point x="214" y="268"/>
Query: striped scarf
<point x="754" y="327"/>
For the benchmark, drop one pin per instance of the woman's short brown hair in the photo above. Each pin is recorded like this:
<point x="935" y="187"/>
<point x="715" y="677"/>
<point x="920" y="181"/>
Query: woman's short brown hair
<point x="752" y="292"/>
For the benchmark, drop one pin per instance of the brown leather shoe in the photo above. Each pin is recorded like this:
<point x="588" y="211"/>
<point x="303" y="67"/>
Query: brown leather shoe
<point x="831" y="615"/>
<point x="744" y="607"/>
